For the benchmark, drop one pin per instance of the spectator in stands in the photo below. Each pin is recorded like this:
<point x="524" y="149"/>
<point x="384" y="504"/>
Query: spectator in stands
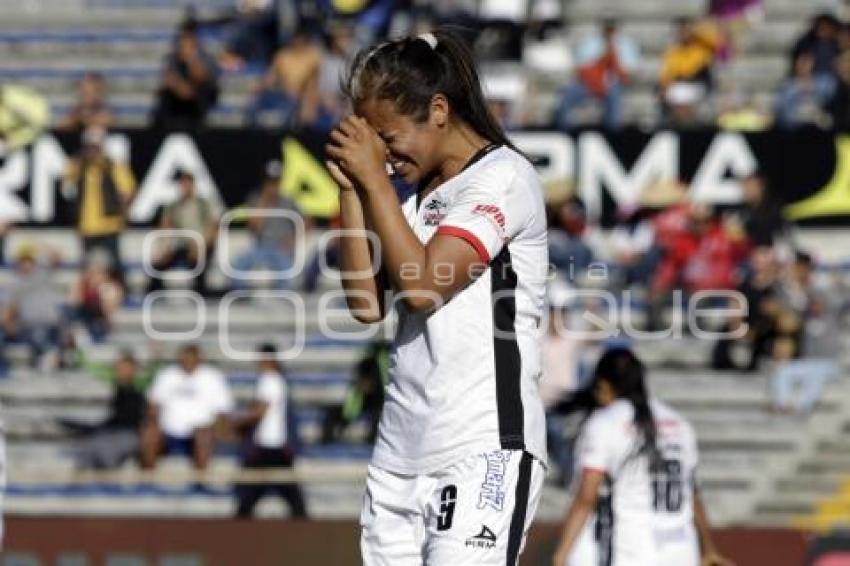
<point x="340" y="47"/>
<point x="760" y="214"/>
<point x="253" y="35"/>
<point x="838" y="106"/>
<point x="701" y="252"/>
<point x="570" y="250"/>
<point x="821" y="42"/>
<point x="720" y="248"/>
<point x="113" y="441"/>
<point x="786" y="311"/>
<point x="760" y="288"/>
<point x="817" y="361"/>
<point x="804" y="94"/>
<point x="676" y="242"/>
<point x="635" y="253"/>
<point x="189" y="84"/>
<point x="364" y="399"/>
<point x="606" y="62"/>
<point x="101" y="189"/>
<point x="274" y="244"/>
<point x="288" y="94"/>
<point x="193" y="212"/>
<point x="91" y="110"/>
<point x="271" y="436"/>
<point x="96" y="296"/>
<point x="185" y="403"/>
<point x="33" y="310"/>
<point x="686" y="77"/>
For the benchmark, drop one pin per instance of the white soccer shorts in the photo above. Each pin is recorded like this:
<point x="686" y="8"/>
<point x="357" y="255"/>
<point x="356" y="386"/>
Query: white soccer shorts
<point x="475" y="512"/>
<point x="678" y="547"/>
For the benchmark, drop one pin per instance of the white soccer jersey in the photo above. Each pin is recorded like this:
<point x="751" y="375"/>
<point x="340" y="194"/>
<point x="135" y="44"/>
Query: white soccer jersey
<point x="620" y="532"/>
<point x="673" y="485"/>
<point x="464" y="378"/>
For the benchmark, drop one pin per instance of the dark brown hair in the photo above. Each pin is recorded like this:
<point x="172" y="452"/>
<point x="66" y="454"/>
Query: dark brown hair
<point x="410" y="71"/>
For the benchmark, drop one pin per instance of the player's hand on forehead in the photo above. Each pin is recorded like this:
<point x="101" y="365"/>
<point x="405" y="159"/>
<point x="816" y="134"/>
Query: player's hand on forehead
<point x="358" y="149"/>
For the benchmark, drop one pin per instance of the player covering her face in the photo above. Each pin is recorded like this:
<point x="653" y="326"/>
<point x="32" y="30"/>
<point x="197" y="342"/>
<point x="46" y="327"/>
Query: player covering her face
<point x="419" y="108"/>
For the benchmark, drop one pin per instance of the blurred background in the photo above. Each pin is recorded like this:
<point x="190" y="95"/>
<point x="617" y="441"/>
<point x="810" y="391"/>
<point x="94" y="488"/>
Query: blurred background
<point x="164" y="210"/>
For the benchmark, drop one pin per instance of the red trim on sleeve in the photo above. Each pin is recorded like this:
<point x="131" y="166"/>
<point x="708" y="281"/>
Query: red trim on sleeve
<point x="592" y="469"/>
<point x="469" y="237"/>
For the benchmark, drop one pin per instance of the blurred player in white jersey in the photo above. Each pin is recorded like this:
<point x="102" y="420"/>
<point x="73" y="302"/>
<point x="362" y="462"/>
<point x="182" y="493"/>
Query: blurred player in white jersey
<point x="636" y="498"/>
<point x="609" y="522"/>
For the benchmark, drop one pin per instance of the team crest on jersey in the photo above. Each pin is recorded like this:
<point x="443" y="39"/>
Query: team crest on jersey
<point x="492" y="492"/>
<point x="435" y="211"/>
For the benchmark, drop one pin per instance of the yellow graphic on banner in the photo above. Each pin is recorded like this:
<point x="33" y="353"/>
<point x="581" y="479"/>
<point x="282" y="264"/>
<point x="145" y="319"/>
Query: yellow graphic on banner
<point x="834" y="198"/>
<point x="307" y="182"/>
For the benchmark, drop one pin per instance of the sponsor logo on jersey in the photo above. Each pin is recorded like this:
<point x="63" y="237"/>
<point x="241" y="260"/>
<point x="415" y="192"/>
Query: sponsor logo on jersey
<point x="485" y="539"/>
<point x="492" y="492"/>
<point x="494" y="214"/>
<point x="435" y="211"/>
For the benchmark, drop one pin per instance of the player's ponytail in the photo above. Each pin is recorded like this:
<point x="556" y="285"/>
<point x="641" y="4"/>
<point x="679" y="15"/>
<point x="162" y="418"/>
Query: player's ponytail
<point x="627" y="376"/>
<point x="410" y="71"/>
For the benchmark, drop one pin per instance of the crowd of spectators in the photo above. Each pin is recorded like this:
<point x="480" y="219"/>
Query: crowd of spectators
<point x="668" y="248"/>
<point x="295" y="54"/>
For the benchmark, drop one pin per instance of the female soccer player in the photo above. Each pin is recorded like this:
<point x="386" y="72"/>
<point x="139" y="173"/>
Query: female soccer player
<point x="458" y="464"/>
<point x="616" y="449"/>
<point x="679" y="526"/>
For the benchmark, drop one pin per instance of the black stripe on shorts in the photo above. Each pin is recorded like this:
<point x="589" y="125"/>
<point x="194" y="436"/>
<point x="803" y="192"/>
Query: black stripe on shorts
<point x="523" y="487"/>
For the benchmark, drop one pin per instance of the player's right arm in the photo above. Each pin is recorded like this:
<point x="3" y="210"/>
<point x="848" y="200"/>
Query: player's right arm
<point x="581" y="508"/>
<point x="594" y="459"/>
<point x="364" y="289"/>
<point x="710" y="554"/>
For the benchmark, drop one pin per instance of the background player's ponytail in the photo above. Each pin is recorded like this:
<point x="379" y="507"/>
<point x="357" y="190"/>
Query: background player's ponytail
<point x="627" y="375"/>
<point x="410" y="71"/>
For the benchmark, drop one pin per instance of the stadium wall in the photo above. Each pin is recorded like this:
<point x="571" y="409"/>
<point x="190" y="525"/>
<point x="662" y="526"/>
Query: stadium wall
<point x="175" y="542"/>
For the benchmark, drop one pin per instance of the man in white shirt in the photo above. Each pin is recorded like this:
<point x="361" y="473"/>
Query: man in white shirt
<point x="271" y="436"/>
<point x="184" y="403"/>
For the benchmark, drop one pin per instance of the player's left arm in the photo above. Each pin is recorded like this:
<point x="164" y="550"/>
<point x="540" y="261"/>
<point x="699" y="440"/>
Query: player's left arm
<point x="710" y="555"/>
<point x="581" y="508"/>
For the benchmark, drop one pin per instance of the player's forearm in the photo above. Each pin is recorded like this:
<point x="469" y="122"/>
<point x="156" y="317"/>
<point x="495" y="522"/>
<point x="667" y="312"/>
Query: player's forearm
<point x="707" y="545"/>
<point x="405" y="257"/>
<point x="362" y="290"/>
<point x="574" y="522"/>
